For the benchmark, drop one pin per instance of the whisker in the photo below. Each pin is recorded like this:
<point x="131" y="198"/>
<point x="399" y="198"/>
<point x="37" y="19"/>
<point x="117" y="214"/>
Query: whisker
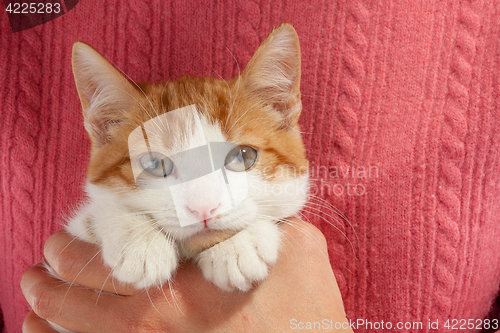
<point x="295" y="226"/>
<point x="337" y="211"/>
<point x="154" y="306"/>
<point x="76" y="277"/>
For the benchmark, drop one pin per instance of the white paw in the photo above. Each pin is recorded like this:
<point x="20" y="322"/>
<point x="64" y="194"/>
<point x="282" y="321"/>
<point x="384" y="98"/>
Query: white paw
<point x="143" y="259"/>
<point x="242" y="259"/>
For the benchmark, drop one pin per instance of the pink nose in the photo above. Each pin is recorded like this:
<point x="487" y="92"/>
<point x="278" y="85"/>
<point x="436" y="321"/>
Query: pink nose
<point x="203" y="212"/>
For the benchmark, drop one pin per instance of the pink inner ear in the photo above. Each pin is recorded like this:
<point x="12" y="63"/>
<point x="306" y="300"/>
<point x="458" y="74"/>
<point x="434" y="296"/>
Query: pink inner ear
<point x="273" y="73"/>
<point x="104" y="92"/>
<point x="98" y="128"/>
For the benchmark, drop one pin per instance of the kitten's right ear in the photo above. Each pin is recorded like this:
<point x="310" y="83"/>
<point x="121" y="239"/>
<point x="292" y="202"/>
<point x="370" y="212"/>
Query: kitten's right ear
<point x="104" y="92"/>
<point x="273" y="73"/>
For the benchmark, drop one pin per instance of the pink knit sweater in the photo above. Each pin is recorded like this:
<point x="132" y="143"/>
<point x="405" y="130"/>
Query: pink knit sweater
<point x="401" y="118"/>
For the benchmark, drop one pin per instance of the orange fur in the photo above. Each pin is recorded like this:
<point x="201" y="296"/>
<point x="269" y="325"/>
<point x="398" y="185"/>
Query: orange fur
<point x="249" y="110"/>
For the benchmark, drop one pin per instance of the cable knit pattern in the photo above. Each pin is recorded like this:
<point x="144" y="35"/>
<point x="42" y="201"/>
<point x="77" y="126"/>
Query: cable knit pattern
<point x="110" y="31"/>
<point x="345" y="125"/>
<point x="353" y="73"/>
<point x="411" y="88"/>
<point x="24" y="149"/>
<point x="423" y="180"/>
<point x="323" y="90"/>
<point x="247" y="39"/>
<point x="6" y="101"/>
<point x="475" y="155"/>
<point x="376" y="63"/>
<point x="139" y="41"/>
<point x="480" y="160"/>
<point x="453" y="133"/>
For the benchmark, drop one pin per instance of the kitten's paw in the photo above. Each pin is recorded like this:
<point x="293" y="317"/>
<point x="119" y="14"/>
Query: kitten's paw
<point x="242" y="259"/>
<point x="144" y="261"/>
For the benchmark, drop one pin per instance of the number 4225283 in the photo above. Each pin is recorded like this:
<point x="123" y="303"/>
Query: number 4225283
<point x="33" y="8"/>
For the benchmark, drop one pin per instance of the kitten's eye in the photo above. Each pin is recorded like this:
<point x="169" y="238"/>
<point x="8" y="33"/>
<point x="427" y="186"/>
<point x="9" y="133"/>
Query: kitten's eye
<point x="156" y="164"/>
<point x="241" y="158"/>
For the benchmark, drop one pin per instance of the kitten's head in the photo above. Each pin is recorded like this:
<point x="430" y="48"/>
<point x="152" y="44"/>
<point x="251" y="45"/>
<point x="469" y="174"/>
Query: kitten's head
<point x="257" y="111"/>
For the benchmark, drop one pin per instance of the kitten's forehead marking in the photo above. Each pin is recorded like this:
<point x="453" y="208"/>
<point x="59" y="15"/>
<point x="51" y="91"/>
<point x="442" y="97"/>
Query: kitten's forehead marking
<point x="170" y="132"/>
<point x="197" y="148"/>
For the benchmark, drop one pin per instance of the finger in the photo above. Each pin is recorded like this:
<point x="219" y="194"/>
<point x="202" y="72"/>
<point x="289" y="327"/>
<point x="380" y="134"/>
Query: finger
<point x="80" y="262"/>
<point x="305" y="250"/>
<point x="76" y="308"/>
<point x="304" y="235"/>
<point x="303" y="246"/>
<point x="34" y="324"/>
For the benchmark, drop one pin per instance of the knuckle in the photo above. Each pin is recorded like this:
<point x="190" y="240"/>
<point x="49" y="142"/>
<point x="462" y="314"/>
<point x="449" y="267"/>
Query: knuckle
<point x="143" y="327"/>
<point x="126" y="318"/>
<point x="148" y="322"/>
<point x="25" y="280"/>
<point x="27" y="323"/>
<point x="64" y="264"/>
<point x="136" y="326"/>
<point x="51" y="246"/>
<point x="146" y="326"/>
<point x="42" y="301"/>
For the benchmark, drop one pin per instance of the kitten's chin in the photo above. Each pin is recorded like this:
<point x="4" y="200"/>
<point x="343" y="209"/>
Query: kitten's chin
<point x="204" y="240"/>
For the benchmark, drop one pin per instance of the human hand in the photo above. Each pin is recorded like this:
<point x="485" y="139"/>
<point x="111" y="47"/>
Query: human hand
<point x="300" y="286"/>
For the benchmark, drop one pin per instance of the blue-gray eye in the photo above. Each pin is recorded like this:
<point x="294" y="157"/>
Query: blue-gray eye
<point x="241" y="158"/>
<point x="156" y="164"/>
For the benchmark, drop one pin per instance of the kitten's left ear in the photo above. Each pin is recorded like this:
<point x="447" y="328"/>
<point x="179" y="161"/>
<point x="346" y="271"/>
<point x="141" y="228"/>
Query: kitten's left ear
<point x="104" y="92"/>
<point x="273" y="73"/>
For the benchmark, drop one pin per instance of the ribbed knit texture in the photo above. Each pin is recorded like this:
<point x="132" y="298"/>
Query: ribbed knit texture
<point x="408" y="91"/>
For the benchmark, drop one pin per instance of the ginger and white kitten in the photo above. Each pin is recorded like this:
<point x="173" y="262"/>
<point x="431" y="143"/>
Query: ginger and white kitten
<point x="138" y="226"/>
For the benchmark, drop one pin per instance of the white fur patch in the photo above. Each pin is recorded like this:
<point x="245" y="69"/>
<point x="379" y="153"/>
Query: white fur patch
<point x="139" y="231"/>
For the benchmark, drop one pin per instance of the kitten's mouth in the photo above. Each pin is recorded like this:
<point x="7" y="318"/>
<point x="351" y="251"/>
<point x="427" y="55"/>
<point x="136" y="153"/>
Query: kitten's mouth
<point x="204" y="240"/>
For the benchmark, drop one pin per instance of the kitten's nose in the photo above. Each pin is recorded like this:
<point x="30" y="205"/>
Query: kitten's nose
<point x="203" y="212"/>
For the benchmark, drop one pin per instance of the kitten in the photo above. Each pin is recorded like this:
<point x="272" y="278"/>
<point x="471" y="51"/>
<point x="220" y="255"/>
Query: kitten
<point x="150" y="206"/>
